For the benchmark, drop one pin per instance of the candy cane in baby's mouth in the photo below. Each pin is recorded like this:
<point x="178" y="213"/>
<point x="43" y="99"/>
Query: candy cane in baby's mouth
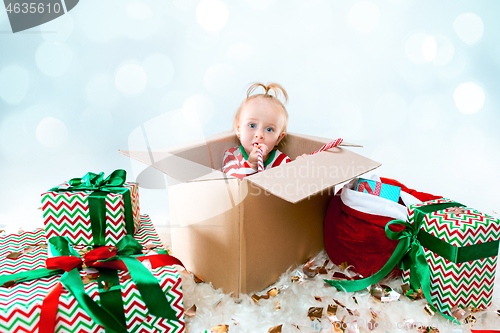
<point x="260" y="160"/>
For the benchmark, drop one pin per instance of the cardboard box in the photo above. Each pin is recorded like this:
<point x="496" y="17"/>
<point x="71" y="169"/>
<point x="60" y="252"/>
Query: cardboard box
<point x="241" y="235"/>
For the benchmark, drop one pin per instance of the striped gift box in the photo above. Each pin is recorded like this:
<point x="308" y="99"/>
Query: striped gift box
<point x="462" y="283"/>
<point x="20" y="304"/>
<point x="67" y="214"/>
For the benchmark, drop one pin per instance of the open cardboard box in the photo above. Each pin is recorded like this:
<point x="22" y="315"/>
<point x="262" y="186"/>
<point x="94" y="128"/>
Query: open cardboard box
<point x="241" y="235"/>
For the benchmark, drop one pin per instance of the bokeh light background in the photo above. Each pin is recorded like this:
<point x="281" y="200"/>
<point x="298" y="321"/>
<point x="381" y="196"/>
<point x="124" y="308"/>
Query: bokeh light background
<point x="415" y="82"/>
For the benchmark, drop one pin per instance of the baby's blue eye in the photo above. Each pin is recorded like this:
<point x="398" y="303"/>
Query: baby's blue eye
<point x="251" y="125"/>
<point x="269" y="129"/>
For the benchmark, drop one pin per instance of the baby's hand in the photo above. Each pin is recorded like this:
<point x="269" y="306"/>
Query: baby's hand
<point x="253" y="156"/>
<point x="301" y="156"/>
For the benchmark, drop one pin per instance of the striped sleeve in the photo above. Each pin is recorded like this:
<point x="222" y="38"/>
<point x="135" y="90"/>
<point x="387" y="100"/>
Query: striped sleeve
<point x="234" y="164"/>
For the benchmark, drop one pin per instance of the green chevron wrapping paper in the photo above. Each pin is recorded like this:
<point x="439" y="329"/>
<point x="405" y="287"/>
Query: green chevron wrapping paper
<point x="68" y="214"/>
<point x="465" y="284"/>
<point x="20" y="304"/>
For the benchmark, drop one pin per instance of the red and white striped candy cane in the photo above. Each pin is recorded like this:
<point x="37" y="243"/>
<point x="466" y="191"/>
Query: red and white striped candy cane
<point x="260" y="160"/>
<point x="332" y="144"/>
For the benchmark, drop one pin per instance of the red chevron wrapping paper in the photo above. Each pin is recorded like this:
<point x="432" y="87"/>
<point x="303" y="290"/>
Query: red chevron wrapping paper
<point x="468" y="284"/>
<point x="67" y="214"/>
<point x="20" y="305"/>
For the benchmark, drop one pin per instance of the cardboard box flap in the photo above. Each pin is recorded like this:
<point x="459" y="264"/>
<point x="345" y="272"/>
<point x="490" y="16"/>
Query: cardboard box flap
<point x="298" y="144"/>
<point x="175" y="166"/>
<point x="307" y="176"/>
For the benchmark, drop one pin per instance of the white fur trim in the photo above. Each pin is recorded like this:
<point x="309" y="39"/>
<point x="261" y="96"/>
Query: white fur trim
<point x="409" y="199"/>
<point x="372" y="204"/>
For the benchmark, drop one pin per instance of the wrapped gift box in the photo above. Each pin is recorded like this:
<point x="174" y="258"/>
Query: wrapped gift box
<point x="67" y="213"/>
<point x="386" y="191"/>
<point x="20" y="304"/>
<point x="461" y="282"/>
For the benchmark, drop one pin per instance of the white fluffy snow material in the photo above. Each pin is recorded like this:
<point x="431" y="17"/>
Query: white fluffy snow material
<point x="244" y="315"/>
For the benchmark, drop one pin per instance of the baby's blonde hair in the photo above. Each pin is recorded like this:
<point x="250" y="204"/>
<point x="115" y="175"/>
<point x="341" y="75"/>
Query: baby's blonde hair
<point x="277" y="89"/>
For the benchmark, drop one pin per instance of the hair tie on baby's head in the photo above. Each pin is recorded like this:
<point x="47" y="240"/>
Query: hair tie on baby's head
<point x="276" y="88"/>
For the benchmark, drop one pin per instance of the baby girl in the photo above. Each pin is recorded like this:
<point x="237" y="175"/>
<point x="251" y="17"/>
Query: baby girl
<point x="260" y="123"/>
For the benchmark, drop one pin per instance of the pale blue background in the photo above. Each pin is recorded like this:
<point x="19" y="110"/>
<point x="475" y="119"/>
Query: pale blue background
<point x="77" y="89"/>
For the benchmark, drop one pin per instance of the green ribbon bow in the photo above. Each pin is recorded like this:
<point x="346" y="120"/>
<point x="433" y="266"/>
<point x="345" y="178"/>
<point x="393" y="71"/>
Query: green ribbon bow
<point x="110" y="314"/>
<point x="97" y="199"/>
<point x="409" y="253"/>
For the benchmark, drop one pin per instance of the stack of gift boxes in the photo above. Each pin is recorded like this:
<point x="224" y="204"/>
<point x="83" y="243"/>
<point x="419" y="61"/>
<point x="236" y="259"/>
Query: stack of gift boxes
<point x="89" y="270"/>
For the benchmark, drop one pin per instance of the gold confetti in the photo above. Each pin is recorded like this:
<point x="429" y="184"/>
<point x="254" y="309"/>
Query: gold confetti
<point x="255" y="298"/>
<point x="377" y="292"/>
<point x="317" y="298"/>
<point x="106" y="285"/>
<point x="414" y="295"/>
<point x="322" y="269"/>
<point x="197" y="279"/>
<point x="273" y="292"/>
<point x="355" y="300"/>
<point x="308" y="271"/>
<point x="474" y="310"/>
<point x="373" y="323"/>
<point x="9" y="284"/>
<point x="458" y="313"/>
<point x="498" y="312"/>
<point x="427" y="329"/>
<point x="339" y="276"/>
<point x="338" y="326"/>
<point x="220" y="328"/>
<point x="218" y="303"/>
<point x="150" y="246"/>
<point x="331" y="310"/>
<point x="191" y="311"/>
<point x="470" y="320"/>
<point x="352" y="313"/>
<point x="275" y="329"/>
<point x="429" y="309"/>
<point x="1" y="230"/>
<point x="495" y="212"/>
<point x="295" y="279"/>
<point x="43" y="246"/>
<point x="13" y="255"/>
<point x="86" y="279"/>
<point x="315" y="312"/>
<point x="278" y="306"/>
<point x="405" y="288"/>
<point x="338" y="303"/>
<point x="344" y="265"/>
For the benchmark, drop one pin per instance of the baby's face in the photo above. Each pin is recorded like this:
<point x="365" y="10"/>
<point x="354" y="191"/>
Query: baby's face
<point x="260" y="122"/>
